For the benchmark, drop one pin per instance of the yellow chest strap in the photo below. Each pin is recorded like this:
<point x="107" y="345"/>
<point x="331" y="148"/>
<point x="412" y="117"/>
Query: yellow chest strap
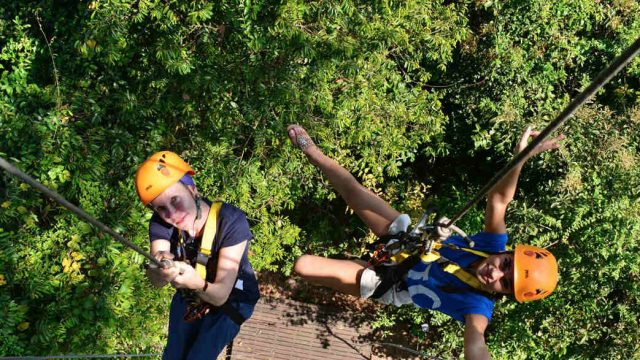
<point x="462" y="275"/>
<point x="210" y="229"/>
<point x="452" y="268"/>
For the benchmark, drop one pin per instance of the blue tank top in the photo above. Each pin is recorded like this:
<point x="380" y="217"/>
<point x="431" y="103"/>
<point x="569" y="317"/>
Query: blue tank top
<point x="233" y="228"/>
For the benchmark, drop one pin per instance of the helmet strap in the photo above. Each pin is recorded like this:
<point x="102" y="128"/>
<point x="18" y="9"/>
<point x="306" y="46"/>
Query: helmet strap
<point x="197" y="198"/>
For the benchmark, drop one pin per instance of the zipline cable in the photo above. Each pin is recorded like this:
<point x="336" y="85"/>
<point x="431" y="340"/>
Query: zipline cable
<point x="603" y="77"/>
<point x="76" y="210"/>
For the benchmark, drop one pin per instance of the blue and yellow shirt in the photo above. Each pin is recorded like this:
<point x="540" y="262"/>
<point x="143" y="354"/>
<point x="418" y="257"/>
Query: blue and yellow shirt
<point x="432" y="288"/>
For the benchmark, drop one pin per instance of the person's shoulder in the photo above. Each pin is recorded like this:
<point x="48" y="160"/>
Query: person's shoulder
<point x="159" y="229"/>
<point x="231" y="212"/>
<point x="493" y="241"/>
<point x="156" y="220"/>
<point x="460" y="304"/>
<point x="233" y="225"/>
<point x="477" y="303"/>
<point x="232" y="216"/>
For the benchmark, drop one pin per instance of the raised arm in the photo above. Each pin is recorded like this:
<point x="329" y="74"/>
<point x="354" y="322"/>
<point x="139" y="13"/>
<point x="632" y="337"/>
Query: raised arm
<point x="475" y="347"/>
<point x="502" y="193"/>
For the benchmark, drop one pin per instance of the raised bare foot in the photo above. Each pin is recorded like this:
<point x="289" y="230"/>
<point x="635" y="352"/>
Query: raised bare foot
<point x="299" y="137"/>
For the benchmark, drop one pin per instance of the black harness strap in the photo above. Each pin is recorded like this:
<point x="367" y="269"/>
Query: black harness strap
<point x="233" y="313"/>
<point x="393" y="274"/>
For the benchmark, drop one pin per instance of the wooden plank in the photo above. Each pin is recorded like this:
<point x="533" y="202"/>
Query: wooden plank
<point x="287" y="329"/>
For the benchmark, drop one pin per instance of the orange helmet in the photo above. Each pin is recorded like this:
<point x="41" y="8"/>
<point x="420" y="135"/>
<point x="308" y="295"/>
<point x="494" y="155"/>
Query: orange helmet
<point x="158" y="172"/>
<point x="535" y="273"/>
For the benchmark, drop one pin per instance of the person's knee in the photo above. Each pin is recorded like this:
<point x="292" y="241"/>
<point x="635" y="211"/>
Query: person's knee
<point x="302" y="266"/>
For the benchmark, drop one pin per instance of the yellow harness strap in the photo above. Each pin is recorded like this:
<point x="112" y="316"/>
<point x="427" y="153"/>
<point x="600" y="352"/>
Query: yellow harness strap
<point x="447" y="265"/>
<point x="451" y="267"/>
<point x="400" y="257"/>
<point x="460" y="273"/>
<point x="427" y="258"/>
<point x="210" y="229"/>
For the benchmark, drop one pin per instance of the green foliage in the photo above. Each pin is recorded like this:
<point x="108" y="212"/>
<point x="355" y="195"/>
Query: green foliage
<point x="419" y="99"/>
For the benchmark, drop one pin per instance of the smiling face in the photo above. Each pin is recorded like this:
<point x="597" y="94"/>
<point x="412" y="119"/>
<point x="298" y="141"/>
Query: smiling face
<point x="495" y="273"/>
<point x="176" y="206"/>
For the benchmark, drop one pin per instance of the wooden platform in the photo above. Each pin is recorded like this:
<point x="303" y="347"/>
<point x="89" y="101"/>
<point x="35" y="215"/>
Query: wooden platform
<point x="286" y="329"/>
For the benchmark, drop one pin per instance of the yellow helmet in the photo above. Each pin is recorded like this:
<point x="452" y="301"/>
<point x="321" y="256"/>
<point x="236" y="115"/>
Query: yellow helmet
<point x="158" y="172"/>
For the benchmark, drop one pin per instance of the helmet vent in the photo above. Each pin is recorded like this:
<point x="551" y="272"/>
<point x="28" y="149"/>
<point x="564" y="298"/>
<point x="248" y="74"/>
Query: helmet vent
<point x="538" y="254"/>
<point x="541" y="255"/>
<point x="163" y="169"/>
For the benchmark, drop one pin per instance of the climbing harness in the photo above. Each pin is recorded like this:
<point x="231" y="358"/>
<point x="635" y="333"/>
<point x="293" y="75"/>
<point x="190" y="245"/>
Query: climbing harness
<point x="196" y="308"/>
<point x="424" y="237"/>
<point x="396" y="254"/>
<point x="535" y="270"/>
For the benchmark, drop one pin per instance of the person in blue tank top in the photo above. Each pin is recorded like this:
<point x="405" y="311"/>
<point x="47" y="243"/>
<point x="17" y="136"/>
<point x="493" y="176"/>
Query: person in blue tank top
<point x="208" y="308"/>
<point x="527" y="273"/>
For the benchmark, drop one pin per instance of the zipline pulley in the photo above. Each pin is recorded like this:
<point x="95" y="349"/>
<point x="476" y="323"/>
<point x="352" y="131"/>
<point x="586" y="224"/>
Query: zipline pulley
<point x="423" y="239"/>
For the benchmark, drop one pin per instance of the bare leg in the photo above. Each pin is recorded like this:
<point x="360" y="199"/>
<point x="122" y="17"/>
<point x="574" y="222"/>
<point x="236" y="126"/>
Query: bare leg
<point x="341" y="275"/>
<point x="374" y="211"/>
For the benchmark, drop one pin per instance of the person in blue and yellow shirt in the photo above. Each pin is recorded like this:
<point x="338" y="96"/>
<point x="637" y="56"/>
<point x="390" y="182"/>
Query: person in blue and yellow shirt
<point x="527" y="273"/>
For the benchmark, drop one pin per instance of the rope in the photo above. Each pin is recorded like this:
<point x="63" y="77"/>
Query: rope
<point x="603" y="77"/>
<point x="76" y="210"/>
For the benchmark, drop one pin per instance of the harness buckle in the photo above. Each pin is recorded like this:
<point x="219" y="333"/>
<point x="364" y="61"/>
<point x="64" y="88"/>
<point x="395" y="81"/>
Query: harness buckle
<point x="202" y="259"/>
<point x="424" y="238"/>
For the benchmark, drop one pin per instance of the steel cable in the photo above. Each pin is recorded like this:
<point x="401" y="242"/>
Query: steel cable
<point x="603" y="77"/>
<point x="76" y="210"/>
